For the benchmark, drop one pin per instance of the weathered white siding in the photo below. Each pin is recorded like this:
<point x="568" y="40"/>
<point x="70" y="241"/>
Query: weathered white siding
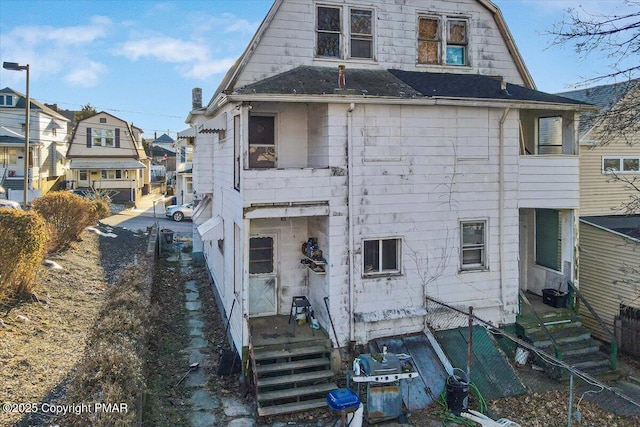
<point x="290" y="40"/>
<point x="548" y="182"/>
<point x="599" y="194"/>
<point x="604" y="256"/>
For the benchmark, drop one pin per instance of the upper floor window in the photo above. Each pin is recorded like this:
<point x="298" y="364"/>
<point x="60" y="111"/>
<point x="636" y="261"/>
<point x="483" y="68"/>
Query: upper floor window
<point x="103" y="137"/>
<point x="262" y="143"/>
<point x="332" y="41"/>
<point x="621" y="165"/>
<point x="6" y="100"/>
<point x="432" y="31"/>
<point x="550" y="135"/>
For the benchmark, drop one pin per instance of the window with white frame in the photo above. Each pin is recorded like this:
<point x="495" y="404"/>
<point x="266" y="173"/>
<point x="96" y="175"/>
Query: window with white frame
<point x="332" y="41"/>
<point x="433" y="30"/>
<point x="103" y="137"/>
<point x="381" y="256"/>
<point x="111" y="174"/>
<point x="621" y="165"/>
<point x="8" y="156"/>
<point x="261" y="255"/>
<point x="473" y="242"/>
<point x="6" y="100"/>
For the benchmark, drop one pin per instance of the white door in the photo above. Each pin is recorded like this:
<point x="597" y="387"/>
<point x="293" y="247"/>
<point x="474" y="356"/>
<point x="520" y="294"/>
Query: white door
<point x="263" y="281"/>
<point x="83" y="178"/>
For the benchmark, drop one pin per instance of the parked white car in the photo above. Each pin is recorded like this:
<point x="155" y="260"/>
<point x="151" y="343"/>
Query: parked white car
<point x="180" y="212"/>
<point x="9" y="204"/>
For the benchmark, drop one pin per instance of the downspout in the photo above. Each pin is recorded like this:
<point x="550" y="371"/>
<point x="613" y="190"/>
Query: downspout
<point x="352" y="106"/>
<point x="501" y="207"/>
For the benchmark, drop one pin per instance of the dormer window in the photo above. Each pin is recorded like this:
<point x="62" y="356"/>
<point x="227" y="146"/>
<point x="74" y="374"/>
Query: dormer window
<point x="442" y="40"/>
<point x="355" y="41"/>
<point x="6" y="100"/>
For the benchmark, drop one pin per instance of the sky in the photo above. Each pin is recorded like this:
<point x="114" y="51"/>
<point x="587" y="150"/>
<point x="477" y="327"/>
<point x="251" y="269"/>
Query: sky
<point x="140" y="59"/>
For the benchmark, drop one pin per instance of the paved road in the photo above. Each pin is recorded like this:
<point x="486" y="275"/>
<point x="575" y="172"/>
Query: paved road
<point x="148" y="211"/>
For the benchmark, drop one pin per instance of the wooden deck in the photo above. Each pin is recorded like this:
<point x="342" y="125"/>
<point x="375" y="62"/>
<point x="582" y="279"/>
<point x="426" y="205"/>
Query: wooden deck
<point x="276" y="330"/>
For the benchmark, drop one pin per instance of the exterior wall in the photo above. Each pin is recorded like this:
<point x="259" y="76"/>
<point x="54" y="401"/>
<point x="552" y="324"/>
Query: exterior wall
<point x="548" y="181"/>
<point x="598" y="195"/>
<point x="128" y="144"/>
<point x="603" y="257"/>
<point x="290" y="39"/>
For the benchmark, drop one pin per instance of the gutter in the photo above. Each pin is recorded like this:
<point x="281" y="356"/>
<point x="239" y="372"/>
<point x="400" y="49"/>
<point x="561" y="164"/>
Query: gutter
<point x="352" y="327"/>
<point x="501" y="214"/>
<point x="365" y="99"/>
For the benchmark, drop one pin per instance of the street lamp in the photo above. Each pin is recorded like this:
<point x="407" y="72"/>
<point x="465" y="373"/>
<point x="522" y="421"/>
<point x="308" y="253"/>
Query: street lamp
<point x="17" y="67"/>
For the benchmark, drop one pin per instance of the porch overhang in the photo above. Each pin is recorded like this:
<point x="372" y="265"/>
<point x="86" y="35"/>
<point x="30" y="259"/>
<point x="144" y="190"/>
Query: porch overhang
<point x="213" y="125"/>
<point x="212" y="229"/>
<point x="286" y="210"/>
<point x="106" y="164"/>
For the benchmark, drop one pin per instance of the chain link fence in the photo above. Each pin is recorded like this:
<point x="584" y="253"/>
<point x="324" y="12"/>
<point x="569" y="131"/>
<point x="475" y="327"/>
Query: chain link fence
<point x="540" y="386"/>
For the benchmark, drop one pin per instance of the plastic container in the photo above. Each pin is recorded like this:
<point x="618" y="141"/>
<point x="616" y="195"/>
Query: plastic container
<point x="343" y="399"/>
<point x="554" y="298"/>
<point x="166" y="234"/>
<point x="457" y="391"/>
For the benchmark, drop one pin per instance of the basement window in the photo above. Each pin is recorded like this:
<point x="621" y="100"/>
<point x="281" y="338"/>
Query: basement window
<point x="381" y="256"/>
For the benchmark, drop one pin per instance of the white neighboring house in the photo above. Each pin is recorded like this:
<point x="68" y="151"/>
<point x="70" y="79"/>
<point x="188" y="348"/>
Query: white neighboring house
<point x="427" y="166"/>
<point x="47" y="145"/>
<point x="106" y="152"/>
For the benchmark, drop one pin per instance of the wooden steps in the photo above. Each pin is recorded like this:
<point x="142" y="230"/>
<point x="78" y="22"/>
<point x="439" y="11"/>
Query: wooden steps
<point x="293" y="377"/>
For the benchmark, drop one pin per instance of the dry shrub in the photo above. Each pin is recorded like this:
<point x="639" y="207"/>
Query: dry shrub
<point x="112" y="370"/>
<point x="23" y="238"/>
<point x="102" y="208"/>
<point x="69" y="214"/>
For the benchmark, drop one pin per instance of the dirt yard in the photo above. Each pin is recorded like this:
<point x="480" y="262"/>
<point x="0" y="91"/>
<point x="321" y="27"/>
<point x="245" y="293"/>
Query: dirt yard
<point x="42" y="340"/>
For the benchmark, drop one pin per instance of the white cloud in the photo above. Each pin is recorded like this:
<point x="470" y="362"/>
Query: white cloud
<point x="86" y="74"/>
<point x="193" y="59"/>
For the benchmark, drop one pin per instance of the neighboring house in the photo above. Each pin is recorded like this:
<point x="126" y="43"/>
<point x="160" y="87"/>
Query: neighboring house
<point x="163" y="162"/>
<point x="106" y="153"/>
<point x="609" y="233"/>
<point x="47" y="145"/>
<point x="184" y="169"/>
<point x="409" y="142"/>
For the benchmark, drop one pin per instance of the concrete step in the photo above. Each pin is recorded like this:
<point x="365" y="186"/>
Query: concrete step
<point x="290" y="367"/>
<point x="305" y="377"/>
<point x="291" y="407"/>
<point x="296" y="392"/>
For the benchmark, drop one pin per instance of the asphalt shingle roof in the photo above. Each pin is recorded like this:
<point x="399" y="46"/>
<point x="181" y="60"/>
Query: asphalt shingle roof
<point x="308" y="80"/>
<point x="628" y="225"/>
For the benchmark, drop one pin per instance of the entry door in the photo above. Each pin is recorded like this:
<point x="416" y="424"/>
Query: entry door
<point x="83" y="178"/>
<point x="263" y="281"/>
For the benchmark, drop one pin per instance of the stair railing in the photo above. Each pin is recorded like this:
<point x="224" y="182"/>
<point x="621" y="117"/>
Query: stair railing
<point x="254" y="370"/>
<point x="612" y="338"/>
<point x="4" y="176"/>
<point x="556" y="346"/>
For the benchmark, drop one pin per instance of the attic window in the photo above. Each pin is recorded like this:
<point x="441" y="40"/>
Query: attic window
<point x="6" y="100"/>
<point x="432" y="31"/>
<point x="103" y="120"/>
<point x="328" y="31"/>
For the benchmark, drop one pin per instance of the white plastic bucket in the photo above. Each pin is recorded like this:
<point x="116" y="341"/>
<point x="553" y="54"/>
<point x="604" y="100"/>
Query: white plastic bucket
<point x="354" y="419"/>
<point x="521" y="356"/>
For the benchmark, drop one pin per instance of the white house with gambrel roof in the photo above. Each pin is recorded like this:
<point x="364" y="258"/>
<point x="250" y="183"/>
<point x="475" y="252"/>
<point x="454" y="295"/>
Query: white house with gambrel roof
<point x="106" y="153"/>
<point x="409" y="141"/>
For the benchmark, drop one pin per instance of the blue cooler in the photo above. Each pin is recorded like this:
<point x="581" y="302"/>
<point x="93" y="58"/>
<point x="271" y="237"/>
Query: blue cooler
<point x="343" y="400"/>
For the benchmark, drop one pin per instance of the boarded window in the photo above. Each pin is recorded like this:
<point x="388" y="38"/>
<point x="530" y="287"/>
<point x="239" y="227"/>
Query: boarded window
<point x="548" y="238"/>
<point x="260" y="255"/>
<point x="456" y="42"/>
<point x="328" y="32"/>
<point x="262" y="149"/>
<point x="550" y="135"/>
<point x="428" y="41"/>
<point x="361" y="34"/>
<point x="381" y="256"/>
<point x="473" y="245"/>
